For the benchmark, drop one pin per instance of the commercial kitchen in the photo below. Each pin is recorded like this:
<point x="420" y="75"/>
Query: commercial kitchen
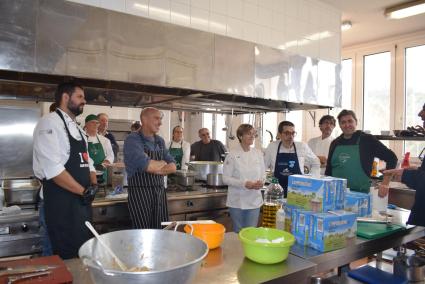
<point x="218" y="65"/>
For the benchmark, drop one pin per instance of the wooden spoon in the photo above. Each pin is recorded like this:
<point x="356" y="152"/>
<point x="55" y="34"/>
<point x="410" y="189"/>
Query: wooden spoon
<point x="108" y="249"/>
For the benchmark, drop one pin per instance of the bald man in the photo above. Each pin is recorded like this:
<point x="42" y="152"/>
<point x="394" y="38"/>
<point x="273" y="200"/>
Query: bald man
<point x="147" y="161"/>
<point x="207" y="149"/>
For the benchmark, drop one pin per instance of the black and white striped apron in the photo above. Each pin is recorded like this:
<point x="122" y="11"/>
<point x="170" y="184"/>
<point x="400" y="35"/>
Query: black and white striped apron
<point x="147" y="199"/>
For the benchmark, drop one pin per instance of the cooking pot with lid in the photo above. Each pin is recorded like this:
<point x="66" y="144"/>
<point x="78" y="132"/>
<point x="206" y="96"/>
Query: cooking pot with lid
<point x="203" y="168"/>
<point x="215" y="180"/>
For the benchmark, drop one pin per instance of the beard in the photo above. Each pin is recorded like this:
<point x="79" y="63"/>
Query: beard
<point x="75" y="109"/>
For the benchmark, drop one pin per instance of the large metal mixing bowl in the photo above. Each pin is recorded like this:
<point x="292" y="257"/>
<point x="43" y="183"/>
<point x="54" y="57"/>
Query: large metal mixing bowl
<point x="203" y="168"/>
<point x="172" y="257"/>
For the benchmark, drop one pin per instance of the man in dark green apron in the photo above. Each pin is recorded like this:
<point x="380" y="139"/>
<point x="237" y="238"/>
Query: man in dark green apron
<point x="147" y="161"/>
<point x="351" y="154"/>
<point x="98" y="146"/>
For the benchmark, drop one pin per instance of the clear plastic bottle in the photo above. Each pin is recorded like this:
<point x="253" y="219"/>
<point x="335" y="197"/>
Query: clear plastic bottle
<point x="280" y="218"/>
<point x="272" y="202"/>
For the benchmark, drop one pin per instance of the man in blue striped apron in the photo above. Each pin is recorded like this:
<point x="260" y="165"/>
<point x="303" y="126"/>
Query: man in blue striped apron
<point x="147" y="161"/>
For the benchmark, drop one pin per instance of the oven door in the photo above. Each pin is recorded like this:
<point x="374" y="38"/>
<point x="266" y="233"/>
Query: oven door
<point x="221" y="216"/>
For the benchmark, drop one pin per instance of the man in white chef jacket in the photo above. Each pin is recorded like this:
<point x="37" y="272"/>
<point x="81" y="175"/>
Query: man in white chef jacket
<point x="286" y="157"/>
<point x="320" y="145"/>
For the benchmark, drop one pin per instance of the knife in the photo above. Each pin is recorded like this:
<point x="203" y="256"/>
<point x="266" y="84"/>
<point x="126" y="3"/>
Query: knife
<point x="6" y="270"/>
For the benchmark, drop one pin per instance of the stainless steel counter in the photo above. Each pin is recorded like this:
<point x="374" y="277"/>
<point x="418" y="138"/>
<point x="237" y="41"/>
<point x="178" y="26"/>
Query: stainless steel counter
<point x="359" y="247"/>
<point x="401" y="196"/>
<point x="227" y="264"/>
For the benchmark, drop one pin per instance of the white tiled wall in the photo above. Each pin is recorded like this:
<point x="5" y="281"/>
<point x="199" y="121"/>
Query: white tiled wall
<point x="306" y="27"/>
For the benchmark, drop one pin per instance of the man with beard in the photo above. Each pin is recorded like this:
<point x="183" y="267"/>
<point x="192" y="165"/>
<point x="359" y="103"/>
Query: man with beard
<point x="147" y="161"/>
<point x="61" y="161"/>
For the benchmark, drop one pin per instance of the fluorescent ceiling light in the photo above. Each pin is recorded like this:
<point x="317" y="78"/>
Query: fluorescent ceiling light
<point x="405" y="10"/>
<point x="346" y="25"/>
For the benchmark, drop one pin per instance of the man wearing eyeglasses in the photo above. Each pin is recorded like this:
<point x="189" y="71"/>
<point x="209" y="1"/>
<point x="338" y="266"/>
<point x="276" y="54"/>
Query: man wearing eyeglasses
<point x="207" y="149"/>
<point x="351" y="154"/>
<point x="286" y="157"/>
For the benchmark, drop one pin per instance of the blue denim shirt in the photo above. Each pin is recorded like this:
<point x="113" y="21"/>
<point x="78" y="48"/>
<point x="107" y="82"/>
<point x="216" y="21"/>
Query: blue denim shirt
<point x="135" y="158"/>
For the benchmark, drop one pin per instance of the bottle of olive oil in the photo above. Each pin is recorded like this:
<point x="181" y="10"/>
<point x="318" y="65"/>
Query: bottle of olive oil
<point x="272" y="202"/>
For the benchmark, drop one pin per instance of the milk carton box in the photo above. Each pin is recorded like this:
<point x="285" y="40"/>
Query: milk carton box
<point x="289" y="211"/>
<point x="311" y="193"/>
<point x="301" y="225"/>
<point x="331" y="231"/>
<point x="358" y="203"/>
<point x="341" y="188"/>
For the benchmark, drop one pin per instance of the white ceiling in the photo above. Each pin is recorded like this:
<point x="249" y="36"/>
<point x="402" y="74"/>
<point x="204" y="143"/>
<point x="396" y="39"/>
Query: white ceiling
<point x="369" y="22"/>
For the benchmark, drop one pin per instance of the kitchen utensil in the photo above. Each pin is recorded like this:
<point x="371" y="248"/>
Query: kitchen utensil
<point x="215" y="180"/>
<point x="265" y="253"/>
<point x="108" y="249"/>
<point x="20" y="269"/>
<point x="13" y="279"/>
<point x="20" y="191"/>
<point x="411" y="267"/>
<point x="173" y="257"/>
<point x="190" y="222"/>
<point x="170" y="226"/>
<point x="376" y="230"/>
<point x="212" y="234"/>
<point x="231" y="136"/>
<point x="185" y="178"/>
<point x="203" y="168"/>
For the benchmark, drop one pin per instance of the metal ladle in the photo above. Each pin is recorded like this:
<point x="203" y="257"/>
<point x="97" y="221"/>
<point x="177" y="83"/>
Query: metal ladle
<point x="231" y="136"/>
<point x="108" y="249"/>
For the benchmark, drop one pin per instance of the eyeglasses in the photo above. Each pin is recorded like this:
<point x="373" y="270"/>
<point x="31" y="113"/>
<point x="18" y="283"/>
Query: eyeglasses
<point x="290" y="133"/>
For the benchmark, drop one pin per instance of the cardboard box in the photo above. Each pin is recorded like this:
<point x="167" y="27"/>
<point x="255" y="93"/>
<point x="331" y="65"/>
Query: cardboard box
<point x="331" y="231"/>
<point x="311" y="193"/>
<point x="301" y="225"/>
<point x="289" y="211"/>
<point x="358" y="203"/>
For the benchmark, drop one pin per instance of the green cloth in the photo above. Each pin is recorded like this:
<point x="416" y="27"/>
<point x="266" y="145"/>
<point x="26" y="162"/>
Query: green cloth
<point x="346" y="164"/>
<point x="177" y="154"/>
<point x="97" y="154"/>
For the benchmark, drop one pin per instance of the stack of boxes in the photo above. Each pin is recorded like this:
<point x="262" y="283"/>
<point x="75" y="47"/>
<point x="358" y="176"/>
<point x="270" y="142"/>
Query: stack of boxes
<point x="316" y="214"/>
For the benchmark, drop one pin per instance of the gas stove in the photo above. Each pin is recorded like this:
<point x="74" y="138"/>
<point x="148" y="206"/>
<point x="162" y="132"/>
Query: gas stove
<point x="197" y="187"/>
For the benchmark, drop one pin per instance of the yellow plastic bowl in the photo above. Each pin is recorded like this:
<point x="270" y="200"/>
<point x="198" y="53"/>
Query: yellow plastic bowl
<point x="265" y="253"/>
<point x="211" y="234"/>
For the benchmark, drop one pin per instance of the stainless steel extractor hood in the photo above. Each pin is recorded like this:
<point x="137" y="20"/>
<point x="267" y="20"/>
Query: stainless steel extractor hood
<point x="124" y="60"/>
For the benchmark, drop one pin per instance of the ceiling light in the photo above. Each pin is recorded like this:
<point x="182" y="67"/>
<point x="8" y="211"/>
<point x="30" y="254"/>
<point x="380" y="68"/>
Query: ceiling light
<point x="404" y="10"/>
<point x="346" y="25"/>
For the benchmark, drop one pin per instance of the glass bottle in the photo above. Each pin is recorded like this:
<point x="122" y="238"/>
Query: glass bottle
<point x="272" y="202"/>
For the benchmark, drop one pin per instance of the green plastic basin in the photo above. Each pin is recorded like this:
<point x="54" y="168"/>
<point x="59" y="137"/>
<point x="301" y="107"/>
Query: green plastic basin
<point x="265" y="253"/>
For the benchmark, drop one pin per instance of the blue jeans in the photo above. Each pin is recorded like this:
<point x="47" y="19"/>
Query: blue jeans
<point x="242" y="218"/>
<point x="47" y="246"/>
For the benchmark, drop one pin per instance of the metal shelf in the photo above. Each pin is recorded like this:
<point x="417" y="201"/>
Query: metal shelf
<point x="414" y="138"/>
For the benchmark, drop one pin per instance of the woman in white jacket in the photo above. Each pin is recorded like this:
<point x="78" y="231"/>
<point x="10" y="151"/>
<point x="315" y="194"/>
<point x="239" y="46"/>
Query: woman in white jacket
<point x="244" y="173"/>
<point x="179" y="149"/>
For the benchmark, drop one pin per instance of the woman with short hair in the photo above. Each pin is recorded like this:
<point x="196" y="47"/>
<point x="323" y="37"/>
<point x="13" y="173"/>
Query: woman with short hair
<point x="244" y="172"/>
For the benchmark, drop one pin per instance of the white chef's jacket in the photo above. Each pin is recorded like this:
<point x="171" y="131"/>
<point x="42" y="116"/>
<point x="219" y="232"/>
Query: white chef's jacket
<point x="106" y="145"/>
<point x="51" y="147"/>
<point x="306" y="157"/>
<point x="240" y="167"/>
<point x="186" y="151"/>
<point x="320" y="146"/>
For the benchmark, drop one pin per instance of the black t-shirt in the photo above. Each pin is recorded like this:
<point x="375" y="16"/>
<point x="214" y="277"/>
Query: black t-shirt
<point x="212" y="151"/>
<point x="370" y="147"/>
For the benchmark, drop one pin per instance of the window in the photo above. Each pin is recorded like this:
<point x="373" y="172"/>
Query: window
<point x="220" y="123"/>
<point x="270" y="124"/>
<point x="376" y="92"/>
<point x="414" y="93"/>
<point x="207" y="121"/>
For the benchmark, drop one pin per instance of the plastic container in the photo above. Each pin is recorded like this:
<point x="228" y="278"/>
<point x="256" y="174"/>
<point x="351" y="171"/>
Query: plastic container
<point x="211" y="234"/>
<point x="280" y="218"/>
<point x="265" y="253"/>
<point x="273" y="198"/>
<point x="406" y="161"/>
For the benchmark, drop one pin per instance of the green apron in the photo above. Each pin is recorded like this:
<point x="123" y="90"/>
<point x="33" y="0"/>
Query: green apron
<point x="97" y="154"/>
<point x="177" y="154"/>
<point x="346" y="164"/>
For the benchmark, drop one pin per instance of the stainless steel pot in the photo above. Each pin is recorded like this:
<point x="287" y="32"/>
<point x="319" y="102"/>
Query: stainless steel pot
<point x="20" y="191"/>
<point x="172" y="257"/>
<point x="185" y="178"/>
<point x="203" y="168"/>
<point x="215" y="180"/>
<point x="410" y="267"/>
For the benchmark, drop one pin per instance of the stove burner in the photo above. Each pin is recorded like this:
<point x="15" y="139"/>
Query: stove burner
<point x="204" y="185"/>
<point x="179" y="188"/>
